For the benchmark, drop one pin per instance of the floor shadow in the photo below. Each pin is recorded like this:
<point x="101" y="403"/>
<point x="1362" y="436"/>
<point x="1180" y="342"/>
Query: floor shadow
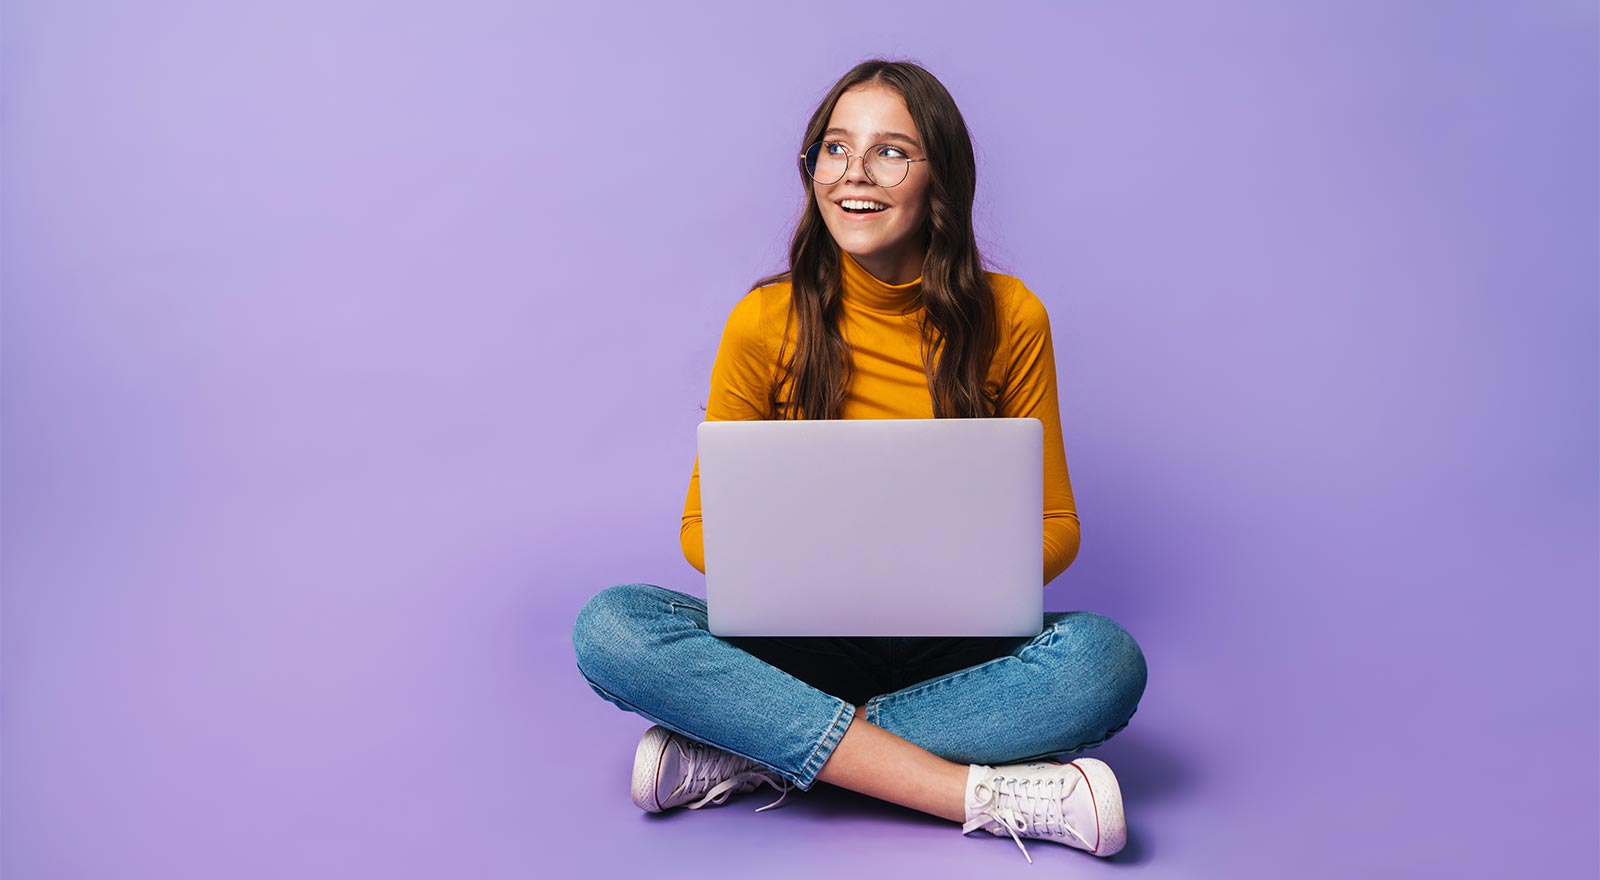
<point x="1147" y="771"/>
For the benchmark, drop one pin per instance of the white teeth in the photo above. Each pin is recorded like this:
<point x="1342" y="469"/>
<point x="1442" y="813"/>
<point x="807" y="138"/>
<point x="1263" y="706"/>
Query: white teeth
<point x="861" y="203"/>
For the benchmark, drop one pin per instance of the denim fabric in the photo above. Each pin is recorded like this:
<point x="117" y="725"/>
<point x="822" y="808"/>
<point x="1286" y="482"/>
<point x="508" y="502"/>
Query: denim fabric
<point x="785" y="702"/>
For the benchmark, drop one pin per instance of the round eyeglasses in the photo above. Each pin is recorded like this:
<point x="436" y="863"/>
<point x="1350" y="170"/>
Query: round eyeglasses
<point x="885" y="164"/>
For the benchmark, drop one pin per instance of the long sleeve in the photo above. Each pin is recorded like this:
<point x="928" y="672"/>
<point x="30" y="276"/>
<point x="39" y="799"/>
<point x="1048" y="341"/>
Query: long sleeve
<point x="741" y="378"/>
<point x="1031" y="393"/>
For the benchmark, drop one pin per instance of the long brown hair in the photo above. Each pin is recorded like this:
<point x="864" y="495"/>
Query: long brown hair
<point x="958" y="322"/>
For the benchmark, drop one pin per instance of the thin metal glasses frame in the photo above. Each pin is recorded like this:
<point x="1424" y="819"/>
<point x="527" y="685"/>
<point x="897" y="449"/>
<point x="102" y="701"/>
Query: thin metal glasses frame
<point x="848" y="156"/>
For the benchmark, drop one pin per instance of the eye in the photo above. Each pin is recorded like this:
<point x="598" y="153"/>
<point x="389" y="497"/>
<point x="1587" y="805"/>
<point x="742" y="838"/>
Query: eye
<point x="830" y="145"/>
<point x="899" y="153"/>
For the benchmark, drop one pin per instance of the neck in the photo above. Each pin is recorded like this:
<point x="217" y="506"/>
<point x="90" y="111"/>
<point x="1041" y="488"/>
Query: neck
<point x="901" y="267"/>
<point x="865" y="290"/>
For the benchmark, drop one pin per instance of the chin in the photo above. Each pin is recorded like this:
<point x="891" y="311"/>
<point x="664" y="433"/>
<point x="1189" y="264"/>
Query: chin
<point x="865" y="243"/>
<point x="863" y="233"/>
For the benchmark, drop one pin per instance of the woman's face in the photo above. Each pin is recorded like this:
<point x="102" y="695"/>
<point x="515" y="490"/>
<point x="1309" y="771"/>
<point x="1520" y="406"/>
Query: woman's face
<point x="890" y="243"/>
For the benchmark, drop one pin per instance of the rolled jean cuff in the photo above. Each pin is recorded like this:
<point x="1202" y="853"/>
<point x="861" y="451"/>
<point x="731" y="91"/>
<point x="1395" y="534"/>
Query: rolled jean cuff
<point x="825" y="746"/>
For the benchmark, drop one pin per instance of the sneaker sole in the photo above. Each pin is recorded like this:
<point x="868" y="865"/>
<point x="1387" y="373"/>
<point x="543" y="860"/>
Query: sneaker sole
<point x="1107" y="805"/>
<point x="647" y="767"/>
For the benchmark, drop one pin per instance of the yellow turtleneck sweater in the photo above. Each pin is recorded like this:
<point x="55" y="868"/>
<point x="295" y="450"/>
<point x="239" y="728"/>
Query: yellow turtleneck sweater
<point x="879" y="322"/>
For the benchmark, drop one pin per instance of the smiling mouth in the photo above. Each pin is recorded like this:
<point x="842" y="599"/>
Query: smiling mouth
<point x="860" y="211"/>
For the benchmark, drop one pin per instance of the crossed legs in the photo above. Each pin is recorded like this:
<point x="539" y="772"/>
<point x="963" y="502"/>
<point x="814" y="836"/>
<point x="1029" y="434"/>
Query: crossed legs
<point x="1058" y="692"/>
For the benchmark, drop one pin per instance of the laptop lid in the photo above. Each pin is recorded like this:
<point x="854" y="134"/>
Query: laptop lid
<point x="873" y="527"/>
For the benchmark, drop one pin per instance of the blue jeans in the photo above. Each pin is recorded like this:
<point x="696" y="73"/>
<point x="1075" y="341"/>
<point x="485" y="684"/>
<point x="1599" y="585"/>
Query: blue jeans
<point x="785" y="702"/>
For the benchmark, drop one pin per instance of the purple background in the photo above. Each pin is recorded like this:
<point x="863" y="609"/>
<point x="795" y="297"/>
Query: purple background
<point x="349" y="348"/>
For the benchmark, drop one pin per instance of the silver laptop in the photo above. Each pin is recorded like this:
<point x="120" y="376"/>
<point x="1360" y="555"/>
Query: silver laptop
<point x="873" y="527"/>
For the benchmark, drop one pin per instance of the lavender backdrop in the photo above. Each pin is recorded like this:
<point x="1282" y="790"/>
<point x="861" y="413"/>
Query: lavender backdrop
<point x="348" y="348"/>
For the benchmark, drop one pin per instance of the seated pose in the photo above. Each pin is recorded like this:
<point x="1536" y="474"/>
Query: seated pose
<point x="885" y="313"/>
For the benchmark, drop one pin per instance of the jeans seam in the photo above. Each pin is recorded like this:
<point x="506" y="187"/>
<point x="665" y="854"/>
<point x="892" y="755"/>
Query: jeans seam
<point x="830" y="739"/>
<point x="940" y="681"/>
<point x="674" y="606"/>
<point x="875" y="706"/>
<point x="1054" y="631"/>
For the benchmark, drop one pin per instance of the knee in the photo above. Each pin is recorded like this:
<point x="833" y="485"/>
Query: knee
<point x="603" y="623"/>
<point x="1119" y="662"/>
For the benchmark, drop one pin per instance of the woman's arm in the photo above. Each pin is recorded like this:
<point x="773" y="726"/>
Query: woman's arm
<point x="1031" y="393"/>
<point x="741" y="379"/>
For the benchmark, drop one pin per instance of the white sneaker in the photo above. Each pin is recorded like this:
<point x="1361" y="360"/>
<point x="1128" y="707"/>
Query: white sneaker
<point x="669" y="770"/>
<point x="1079" y="804"/>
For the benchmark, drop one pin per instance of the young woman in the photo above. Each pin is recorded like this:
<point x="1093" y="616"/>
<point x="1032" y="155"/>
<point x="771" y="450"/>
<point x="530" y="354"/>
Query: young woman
<point x="885" y="312"/>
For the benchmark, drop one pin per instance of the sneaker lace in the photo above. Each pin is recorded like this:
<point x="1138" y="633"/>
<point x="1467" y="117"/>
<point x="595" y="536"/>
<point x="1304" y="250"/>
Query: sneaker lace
<point x="1025" y="804"/>
<point x="707" y="764"/>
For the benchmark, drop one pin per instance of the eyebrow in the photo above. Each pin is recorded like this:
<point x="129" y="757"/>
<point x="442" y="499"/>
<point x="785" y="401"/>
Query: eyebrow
<point x="879" y="137"/>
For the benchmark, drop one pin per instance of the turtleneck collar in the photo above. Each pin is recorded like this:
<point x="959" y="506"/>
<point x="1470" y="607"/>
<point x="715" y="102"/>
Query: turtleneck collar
<point x="863" y="289"/>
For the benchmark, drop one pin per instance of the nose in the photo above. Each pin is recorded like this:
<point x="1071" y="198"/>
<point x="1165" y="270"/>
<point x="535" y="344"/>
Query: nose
<point x="849" y="162"/>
